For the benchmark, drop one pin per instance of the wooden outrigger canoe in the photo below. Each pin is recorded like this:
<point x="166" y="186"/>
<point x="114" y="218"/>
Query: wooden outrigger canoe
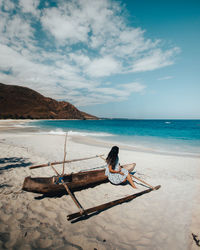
<point x="58" y="185"/>
<point x="75" y="182"/>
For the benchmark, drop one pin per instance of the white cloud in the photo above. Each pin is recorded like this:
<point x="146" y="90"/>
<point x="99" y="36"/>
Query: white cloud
<point x="39" y="76"/>
<point x="30" y="6"/>
<point x="128" y="44"/>
<point x="104" y="66"/>
<point x="15" y="31"/>
<point x="80" y="59"/>
<point x="65" y="28"/>
<point x="120" y="92"/>
<point x="134" y="87"/>
<point x="94" y="98"/>
<point x="156" y="59"/>
<point x="112" y="92"/>
<point x="16" y="28"/>
<point x="67" y="51"/>
<point x="8" y="5"/>
<point x="165" y="78"/>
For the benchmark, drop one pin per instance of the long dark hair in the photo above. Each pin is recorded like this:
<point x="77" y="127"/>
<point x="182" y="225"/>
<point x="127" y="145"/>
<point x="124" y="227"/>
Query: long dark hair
<point x="112" y="156"/>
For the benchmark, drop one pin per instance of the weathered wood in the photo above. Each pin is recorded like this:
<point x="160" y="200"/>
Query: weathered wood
<point x="61" y="162"/>
<point x="64" y="155"/>
<point x="82" y="211"/>
<point x="110" y="204"/>
<point x="75" y="181"/>
<point x="55" y="170"/>
<point x="144" y="182"/>
<point x="65" y="185"/>
<point x="70" y="193"/>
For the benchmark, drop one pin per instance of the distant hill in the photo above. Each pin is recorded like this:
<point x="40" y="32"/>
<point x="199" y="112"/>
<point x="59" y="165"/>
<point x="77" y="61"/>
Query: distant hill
<point x="18" y="102"/>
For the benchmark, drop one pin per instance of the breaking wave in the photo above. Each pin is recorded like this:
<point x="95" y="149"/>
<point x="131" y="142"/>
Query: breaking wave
<point x="76" y="133"/>
<point x="23" y="126"/>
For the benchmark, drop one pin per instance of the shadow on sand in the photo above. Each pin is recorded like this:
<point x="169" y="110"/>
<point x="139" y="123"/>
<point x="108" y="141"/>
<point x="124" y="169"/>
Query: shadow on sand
<point x="13" y="162"/>
<point x="76" y="217"/>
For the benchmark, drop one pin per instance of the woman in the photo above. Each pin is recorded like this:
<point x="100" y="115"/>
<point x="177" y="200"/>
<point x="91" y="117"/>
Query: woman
<point x="116" y="174"/>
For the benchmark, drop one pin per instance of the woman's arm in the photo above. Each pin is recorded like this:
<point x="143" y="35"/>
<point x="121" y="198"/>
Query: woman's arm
<point x="114" y="171"/>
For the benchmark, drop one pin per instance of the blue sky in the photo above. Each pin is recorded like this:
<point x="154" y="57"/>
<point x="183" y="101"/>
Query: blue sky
<point x="131" y="59"/>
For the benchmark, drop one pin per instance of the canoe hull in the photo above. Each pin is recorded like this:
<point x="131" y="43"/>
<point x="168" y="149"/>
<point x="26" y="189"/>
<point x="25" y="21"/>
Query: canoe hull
<point x="75" y="182"/>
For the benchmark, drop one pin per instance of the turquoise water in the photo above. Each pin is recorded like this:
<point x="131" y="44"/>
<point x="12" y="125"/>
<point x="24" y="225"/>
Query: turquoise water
<point x="159" y="135"/>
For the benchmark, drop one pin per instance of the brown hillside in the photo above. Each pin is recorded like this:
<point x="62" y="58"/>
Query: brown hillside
<point x="23" y="103"/>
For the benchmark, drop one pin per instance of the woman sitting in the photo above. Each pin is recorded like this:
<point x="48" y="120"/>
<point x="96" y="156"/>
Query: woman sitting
<point x="116" y="174"/>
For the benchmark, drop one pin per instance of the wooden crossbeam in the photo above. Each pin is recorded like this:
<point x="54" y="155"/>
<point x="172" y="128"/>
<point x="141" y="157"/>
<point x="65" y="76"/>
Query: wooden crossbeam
<point x="61" y="162"/>
<point x="110" y="204"/>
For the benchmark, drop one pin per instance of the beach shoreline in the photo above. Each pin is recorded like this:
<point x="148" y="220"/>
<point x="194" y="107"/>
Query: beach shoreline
<point x="163" y="219"/>
<point x="25" y="127"/>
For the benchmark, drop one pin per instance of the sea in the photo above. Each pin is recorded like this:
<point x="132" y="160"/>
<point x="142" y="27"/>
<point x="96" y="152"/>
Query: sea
<point x="180" y="137"/>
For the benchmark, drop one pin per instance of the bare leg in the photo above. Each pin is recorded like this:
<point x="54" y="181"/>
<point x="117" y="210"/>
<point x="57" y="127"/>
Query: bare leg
<point x="129" y="167"/>
<point x="129" y="179"/>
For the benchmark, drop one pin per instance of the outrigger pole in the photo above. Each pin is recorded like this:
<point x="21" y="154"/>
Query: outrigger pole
<point x="70" y="193"/>
<point x="65" y="185"/>
<point x="61" y="162"/>
<point x="109" y="204"/>
<point x="134" y="176"/>
<point x="89" y="211"/>
<point x="99" y="208"/>
<point x="65" y="153"/>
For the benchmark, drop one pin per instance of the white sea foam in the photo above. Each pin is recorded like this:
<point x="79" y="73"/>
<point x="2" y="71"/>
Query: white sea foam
<point x="75" y="133"/>
<point x="89" y="134"/>
<point x="55" y="132"/>
<point x="18" y="126"/>
<point x="23" y="126"/>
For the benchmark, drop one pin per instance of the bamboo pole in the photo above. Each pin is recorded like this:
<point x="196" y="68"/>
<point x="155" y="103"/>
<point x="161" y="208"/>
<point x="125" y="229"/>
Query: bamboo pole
<point x="70" y="193"/>
<point x="82" y="211"/>
<point x="65" y="185"/>
<point x="64" y="155"/>
<point x="111" y="203"/>
<point x="102" y="158"/>
<point x="55" y="170"/>
<point x="134" y="176"/>
<point x="61" y="162"/>
<point x="142" y="181"/>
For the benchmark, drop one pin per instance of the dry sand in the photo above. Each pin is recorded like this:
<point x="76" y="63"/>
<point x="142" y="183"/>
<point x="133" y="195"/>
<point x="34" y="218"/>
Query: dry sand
<point x="163" y="219"/>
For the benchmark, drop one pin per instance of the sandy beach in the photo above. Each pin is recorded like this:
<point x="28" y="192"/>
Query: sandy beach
<point x="163" y="219"/>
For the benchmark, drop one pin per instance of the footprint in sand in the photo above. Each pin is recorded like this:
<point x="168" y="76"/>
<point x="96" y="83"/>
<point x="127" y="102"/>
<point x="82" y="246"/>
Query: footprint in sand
<point x="5" y="217"/>
<point x="44" y="243"/>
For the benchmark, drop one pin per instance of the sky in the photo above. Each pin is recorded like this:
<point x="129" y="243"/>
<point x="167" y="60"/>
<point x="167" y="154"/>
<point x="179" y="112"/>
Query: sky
<point x="136" y="59"/>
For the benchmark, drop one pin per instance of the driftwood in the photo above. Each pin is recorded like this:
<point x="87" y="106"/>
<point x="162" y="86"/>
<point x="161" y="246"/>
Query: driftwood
<point x="110" y="204"/>
<point x="61" y="162"/>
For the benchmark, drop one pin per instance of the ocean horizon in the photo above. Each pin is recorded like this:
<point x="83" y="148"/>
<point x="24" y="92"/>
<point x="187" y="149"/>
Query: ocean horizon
<point x="177" y="136"/>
